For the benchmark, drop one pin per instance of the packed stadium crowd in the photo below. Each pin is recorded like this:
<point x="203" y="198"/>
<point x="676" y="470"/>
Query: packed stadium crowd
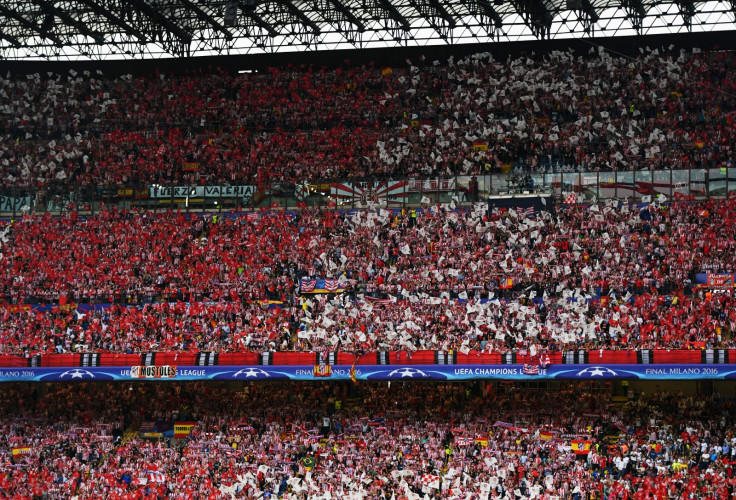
<point x="612" y="275"/>
<point x="323" y="441"/>
<point x="591" y="111"/>
<point x="607" y="275"/>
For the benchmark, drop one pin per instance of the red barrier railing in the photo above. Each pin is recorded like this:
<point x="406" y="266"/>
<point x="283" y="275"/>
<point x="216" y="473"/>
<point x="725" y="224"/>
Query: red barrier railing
<point x="602" y="357"/>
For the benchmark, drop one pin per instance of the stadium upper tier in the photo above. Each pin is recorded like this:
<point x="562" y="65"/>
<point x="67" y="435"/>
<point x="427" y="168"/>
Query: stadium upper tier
<point x="321" y="442"/>
<point x="611" y="275"/>
<point x="429" y="118"/>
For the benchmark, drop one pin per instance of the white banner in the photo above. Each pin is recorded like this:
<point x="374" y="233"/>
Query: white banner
<point x="163" y="192"/>
<point x="14" y="204"/>
<point x="165" y="371"/>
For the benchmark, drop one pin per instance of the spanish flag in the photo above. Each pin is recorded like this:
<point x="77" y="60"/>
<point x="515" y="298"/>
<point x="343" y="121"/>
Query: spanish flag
<point x="545" y="436"/>
<point x="480" y="146"/>
<point x="353" y="375"/>
<point x="483" y="441"/>
<point x="581" y="447"/>
<point x="287" y="436"/>
<point x="387" y="71"/>
<point x="506" y="283"/>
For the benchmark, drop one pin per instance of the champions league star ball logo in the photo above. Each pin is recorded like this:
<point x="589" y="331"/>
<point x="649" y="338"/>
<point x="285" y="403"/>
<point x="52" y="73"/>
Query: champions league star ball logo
<point x="251" y="373"/>
<point x="597" y="371"/>
<point x="77" y="373"/>
<point x="407" y="373"/>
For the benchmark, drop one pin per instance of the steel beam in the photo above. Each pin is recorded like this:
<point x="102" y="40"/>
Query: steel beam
<point x="12" y="14"/>
<point x="298" y="14"/>
<point x="114" y="19"/>
<point x="204" y="16"/>
<point x="536" y="16"/>
<point x="69" y="20"/>
<point x="158" y="18"/>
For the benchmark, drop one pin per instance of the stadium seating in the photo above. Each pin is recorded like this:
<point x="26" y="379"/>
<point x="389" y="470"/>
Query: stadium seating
<point x="321" y="441"/>
<point x="590" y="112"/>
<point x="611" y="282"/>
<point x="609" y="276"/>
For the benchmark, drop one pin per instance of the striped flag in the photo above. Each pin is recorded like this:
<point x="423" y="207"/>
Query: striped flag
<point x="544" y="360"/>
<point x="531" y="370"/>
<point x="307" y="285"/>
<point x="465" y="441"/>
<point x="331" y="285"/>
<point x="378" y="302"/>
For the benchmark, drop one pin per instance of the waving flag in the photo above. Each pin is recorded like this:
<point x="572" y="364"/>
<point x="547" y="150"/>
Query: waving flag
<point x="581" y="447"/>
<point x="323" y="285"/>
<point x="430" y="480"/>
<point x="331" y="285"/>
<point x="531" y="370"/>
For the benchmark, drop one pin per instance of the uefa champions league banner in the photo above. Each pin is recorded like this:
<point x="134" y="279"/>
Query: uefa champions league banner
<point x="370" y="372"/>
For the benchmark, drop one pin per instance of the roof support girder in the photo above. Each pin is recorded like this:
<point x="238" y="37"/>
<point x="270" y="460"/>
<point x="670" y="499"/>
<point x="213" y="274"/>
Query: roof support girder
<point x="636" y="13"/>
<point x="349" y="16"/>
<point x="12" y="14"/>
<point x="436" y="15"/>
<point x="204" y="16"/>
<point x="485" y="8"/>
<point x="589" y="10"/>
<point x="114" y="19"/>
<point x="69" y="20"/>
<point x="393" y="13"/>
<point x="257" y="20"/>
<point x="13" y="41"/>
<point x="536" y="15"/>
<point x="687" y="11"/>
<point x="298" y="14"/>
<point x="158" y="18"/>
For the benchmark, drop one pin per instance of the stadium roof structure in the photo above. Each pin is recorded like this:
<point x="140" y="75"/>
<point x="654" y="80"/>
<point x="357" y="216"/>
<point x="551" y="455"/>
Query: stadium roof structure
<point x="75" y="30"/>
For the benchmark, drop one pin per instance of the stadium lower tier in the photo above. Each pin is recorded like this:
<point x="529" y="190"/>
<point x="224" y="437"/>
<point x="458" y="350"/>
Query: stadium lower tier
<point x="409" y="440"/>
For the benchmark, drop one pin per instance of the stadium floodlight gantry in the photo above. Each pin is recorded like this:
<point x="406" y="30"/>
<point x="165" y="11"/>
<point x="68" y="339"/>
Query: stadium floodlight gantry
<point x="68" y="30"/>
